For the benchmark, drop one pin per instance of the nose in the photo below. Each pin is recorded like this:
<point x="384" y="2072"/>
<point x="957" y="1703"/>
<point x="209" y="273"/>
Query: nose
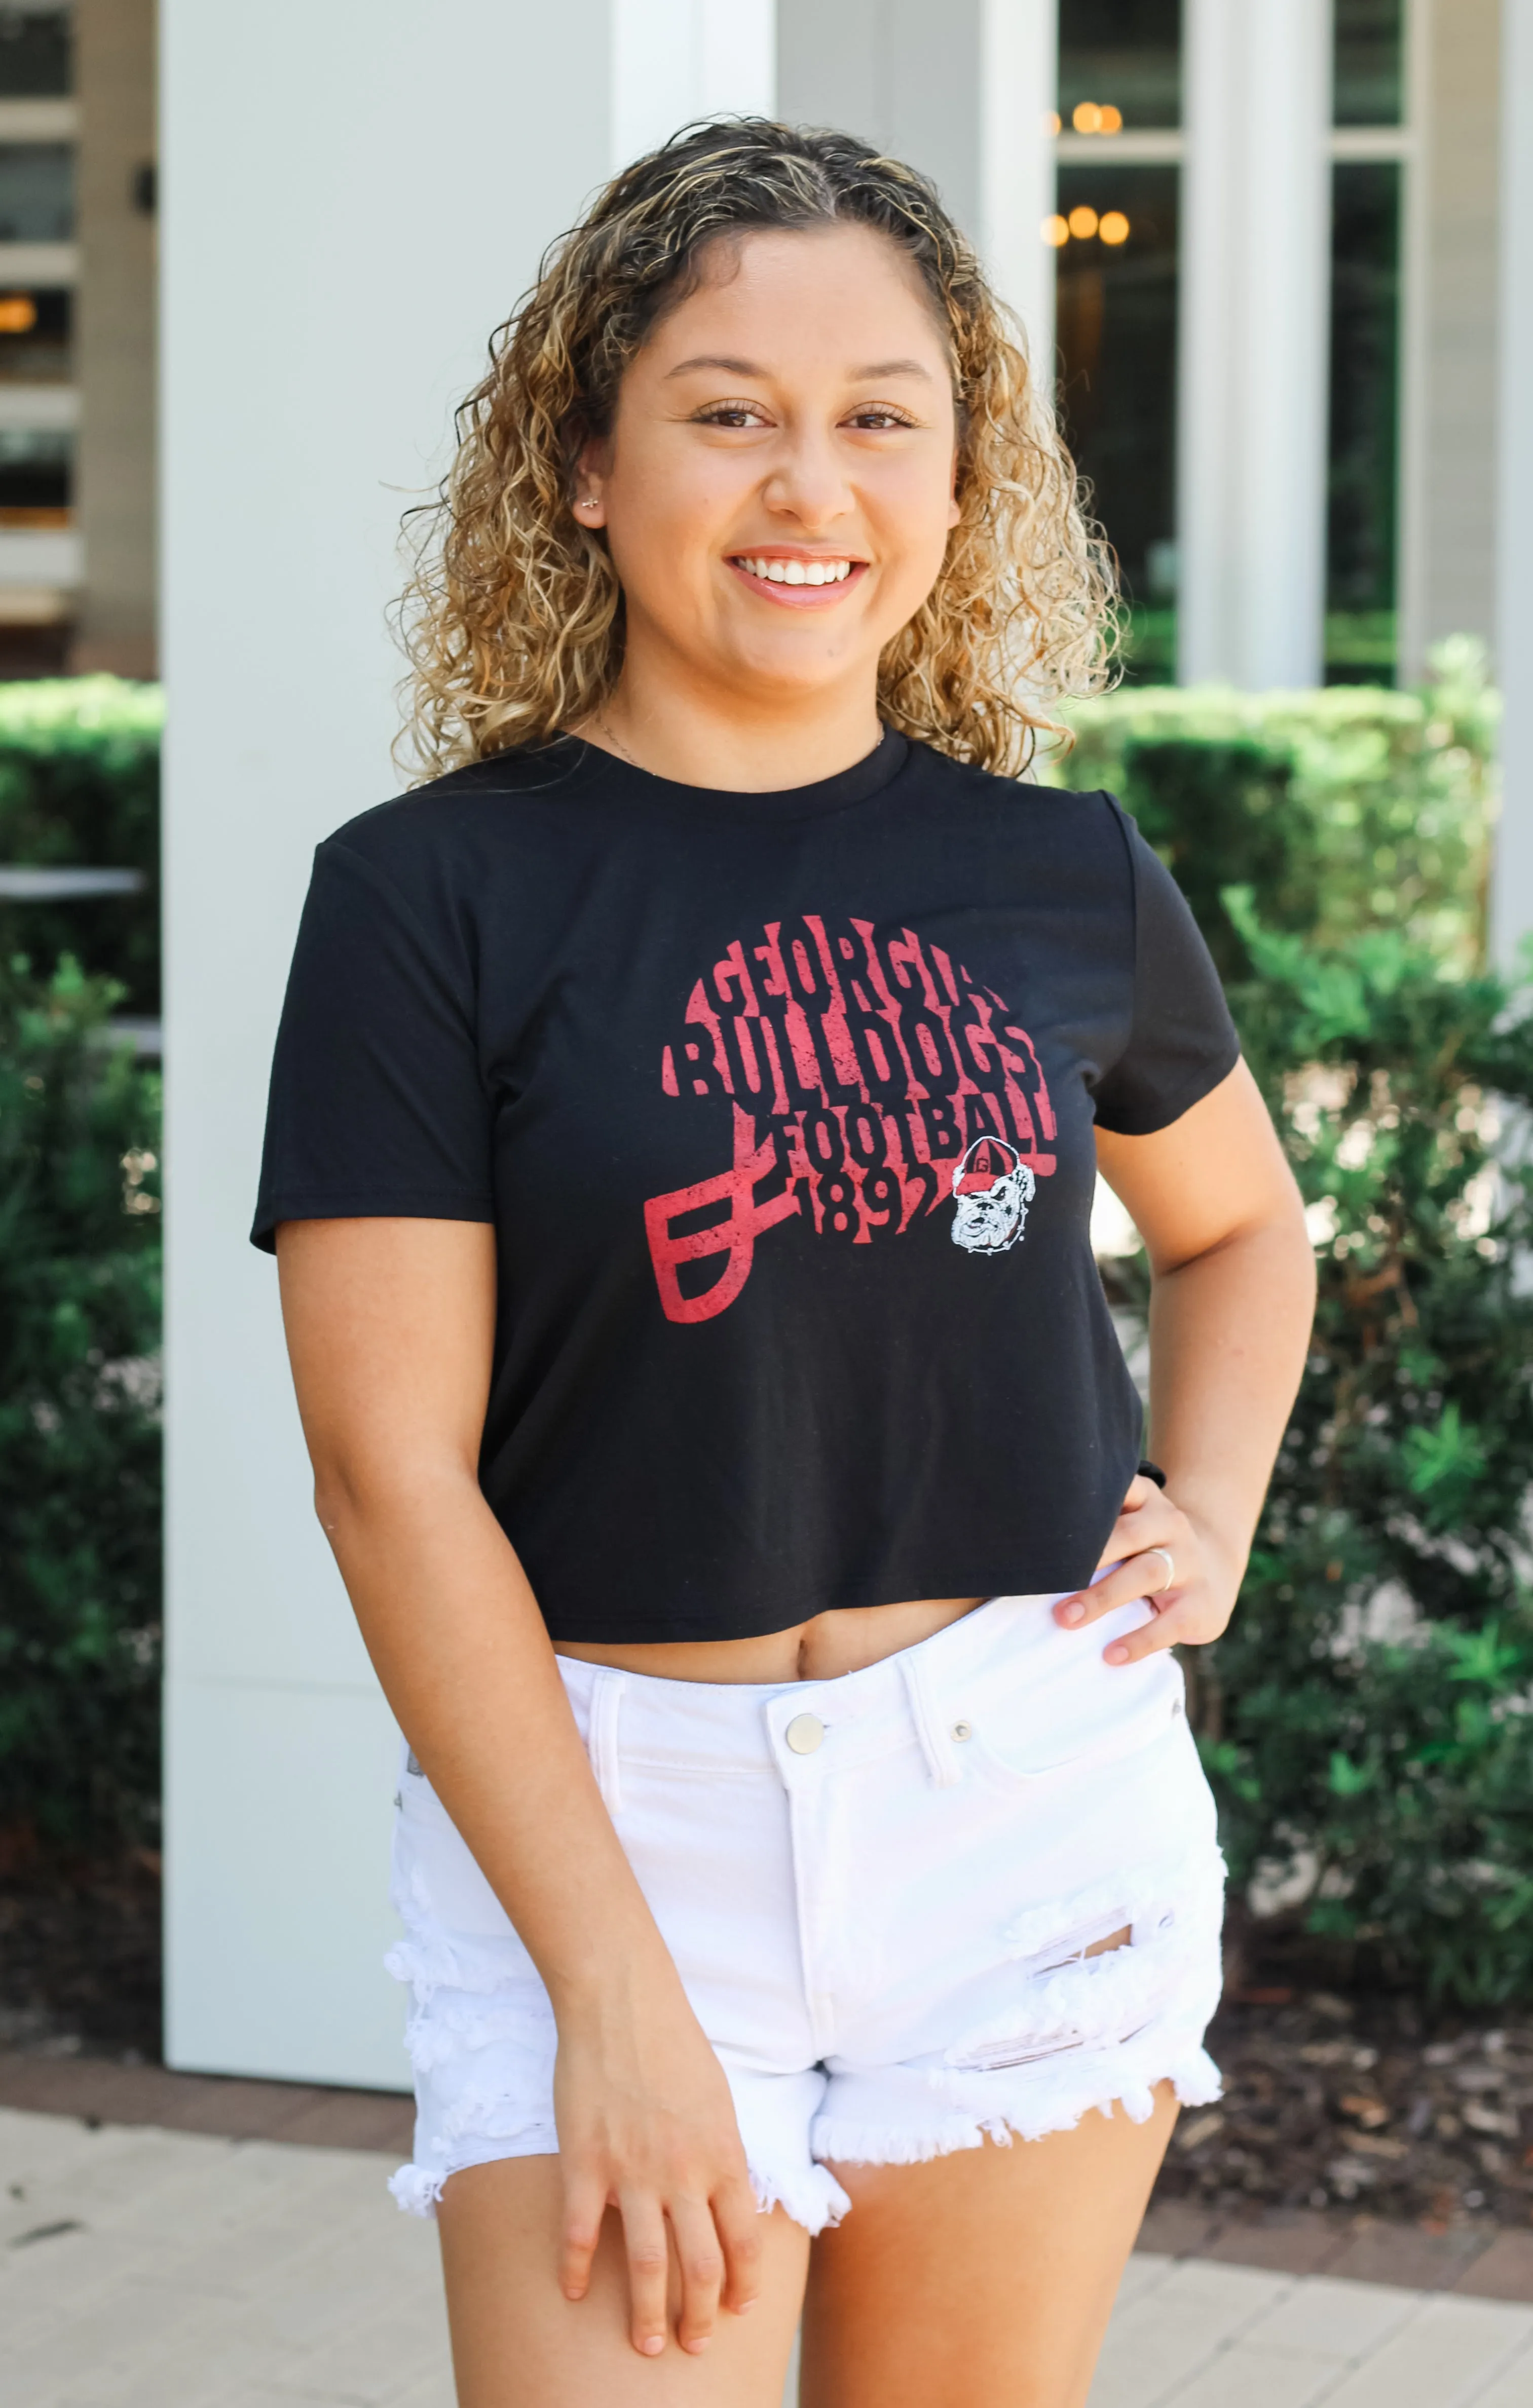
<point x="807" y="482"/>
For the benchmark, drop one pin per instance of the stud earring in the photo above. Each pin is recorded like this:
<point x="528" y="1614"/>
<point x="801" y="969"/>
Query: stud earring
<point x="591" y="502"/>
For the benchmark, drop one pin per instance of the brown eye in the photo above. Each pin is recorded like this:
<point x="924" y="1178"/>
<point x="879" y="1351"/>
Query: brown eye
<point x="730" y="413"/>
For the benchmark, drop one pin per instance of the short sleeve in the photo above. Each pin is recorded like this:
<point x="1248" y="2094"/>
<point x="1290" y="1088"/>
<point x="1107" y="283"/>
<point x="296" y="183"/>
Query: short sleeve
<point x="377" y="1104"/>
<point x="1181" y="1040"/>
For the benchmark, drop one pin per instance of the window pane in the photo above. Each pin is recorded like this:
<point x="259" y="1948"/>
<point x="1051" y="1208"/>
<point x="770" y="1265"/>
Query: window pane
<point x="34" y="337"/>
<point x="1122" y="54"/>
<point x="36" y="192"/>
<point x="1365" y="406"/>
<point x="1117" y="334"/>
<point x="35" y="476"/>
<point x="1369" y="62"/>
<point x="35" y="53"/>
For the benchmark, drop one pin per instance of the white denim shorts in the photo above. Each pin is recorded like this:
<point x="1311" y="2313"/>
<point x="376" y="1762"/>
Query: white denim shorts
<point x="879" y="1891"/>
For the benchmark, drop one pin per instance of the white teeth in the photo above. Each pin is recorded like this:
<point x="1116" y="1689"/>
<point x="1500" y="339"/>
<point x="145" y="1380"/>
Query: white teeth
<point x="797" y="572"/>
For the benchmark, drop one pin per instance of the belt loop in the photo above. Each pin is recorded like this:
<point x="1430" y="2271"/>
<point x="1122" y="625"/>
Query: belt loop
<point x="607" y="1700"/>
<point x="937" y="1748"/>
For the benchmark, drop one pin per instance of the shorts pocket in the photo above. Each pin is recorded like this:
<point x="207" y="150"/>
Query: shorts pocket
<point x="1024" y="1742"/>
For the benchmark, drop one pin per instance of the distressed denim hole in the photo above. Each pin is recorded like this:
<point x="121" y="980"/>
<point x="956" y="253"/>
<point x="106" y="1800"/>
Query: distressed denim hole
<point x="1114" y="1940"/>
<point x="1072" y="1955"/>
<point x="1029" y="2048"/>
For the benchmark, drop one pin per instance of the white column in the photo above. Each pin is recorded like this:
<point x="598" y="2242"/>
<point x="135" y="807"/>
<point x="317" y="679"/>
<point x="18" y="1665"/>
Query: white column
<point x="962" y="92"/>
<point x="1255" y="284"/>
<point x="1018" y="90"/>
<point x="676" y="60"/>
<point x="353" y="196"/>
<point x="1513" y="889"/>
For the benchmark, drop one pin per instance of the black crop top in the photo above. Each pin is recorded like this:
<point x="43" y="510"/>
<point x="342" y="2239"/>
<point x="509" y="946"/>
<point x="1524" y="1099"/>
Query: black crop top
<point x="781" y="1106"/>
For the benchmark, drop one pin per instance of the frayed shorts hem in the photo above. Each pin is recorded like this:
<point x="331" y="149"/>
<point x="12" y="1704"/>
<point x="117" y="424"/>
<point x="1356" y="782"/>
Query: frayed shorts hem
<point x="816" y="2200"/>
<point x="1195" y="2080"/>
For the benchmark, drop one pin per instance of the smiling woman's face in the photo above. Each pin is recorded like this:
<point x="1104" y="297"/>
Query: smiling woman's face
<point x="777" y="486"/>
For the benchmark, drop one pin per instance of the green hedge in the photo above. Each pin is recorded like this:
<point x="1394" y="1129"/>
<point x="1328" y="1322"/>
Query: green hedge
<point x="80" y="1273"/>
<point x="80" y="1438"/>
<point x="1368" y="1722"/>
<point x="1348" y="809"/>
<point x="79" y="787"/>
<point x="1369" y="1719"/>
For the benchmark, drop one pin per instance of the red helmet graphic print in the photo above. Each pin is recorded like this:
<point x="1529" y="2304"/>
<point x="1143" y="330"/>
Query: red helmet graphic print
<point x="869" y="1081"/>
<point x="993" y="1187"/>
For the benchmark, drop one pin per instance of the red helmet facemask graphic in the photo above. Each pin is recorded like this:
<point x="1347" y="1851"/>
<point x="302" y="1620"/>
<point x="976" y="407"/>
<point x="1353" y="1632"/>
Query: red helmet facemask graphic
<point x="992" y="1188"/>
<point x="861" y="1078"/>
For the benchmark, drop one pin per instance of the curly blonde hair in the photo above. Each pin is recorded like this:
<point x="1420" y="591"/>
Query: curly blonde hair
<point x="512" y="617"/>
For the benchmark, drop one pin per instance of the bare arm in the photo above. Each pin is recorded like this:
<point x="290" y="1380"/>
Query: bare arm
<point x="389" y="1328"/>
<point x="1230" y="1303"/>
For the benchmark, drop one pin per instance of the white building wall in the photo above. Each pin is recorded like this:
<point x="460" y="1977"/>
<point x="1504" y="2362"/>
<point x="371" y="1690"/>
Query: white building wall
<point x="353" y="196"/>
<point x="1512" y="898"/>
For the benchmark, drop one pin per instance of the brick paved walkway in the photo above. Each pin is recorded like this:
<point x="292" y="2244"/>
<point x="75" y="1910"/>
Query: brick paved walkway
<point x="147" y="2268"/>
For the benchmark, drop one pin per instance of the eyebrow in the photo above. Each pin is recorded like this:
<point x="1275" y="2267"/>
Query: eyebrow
<point x="751" y="368"/>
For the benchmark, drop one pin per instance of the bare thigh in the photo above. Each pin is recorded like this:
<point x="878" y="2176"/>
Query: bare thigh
<point x="518" y="2343"/>
<point x="983" y="2279"/>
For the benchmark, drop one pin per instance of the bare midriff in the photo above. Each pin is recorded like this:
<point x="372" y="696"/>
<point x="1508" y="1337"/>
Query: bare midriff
<point x="818" y="1650"/>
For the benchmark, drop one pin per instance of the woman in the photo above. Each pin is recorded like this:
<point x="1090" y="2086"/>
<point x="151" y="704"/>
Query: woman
<point x="683" y="1137"/>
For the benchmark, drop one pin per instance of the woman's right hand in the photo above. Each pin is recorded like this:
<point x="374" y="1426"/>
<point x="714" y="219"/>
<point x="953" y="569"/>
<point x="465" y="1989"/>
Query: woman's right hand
<point x="647" y="2125"/>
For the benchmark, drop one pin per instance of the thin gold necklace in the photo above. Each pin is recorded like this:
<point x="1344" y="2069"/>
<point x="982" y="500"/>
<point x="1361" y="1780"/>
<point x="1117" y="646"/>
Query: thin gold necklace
<point x="612" y="736"/>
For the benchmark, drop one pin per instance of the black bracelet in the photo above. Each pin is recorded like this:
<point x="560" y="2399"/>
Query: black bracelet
<point x="1149" y="1470"/>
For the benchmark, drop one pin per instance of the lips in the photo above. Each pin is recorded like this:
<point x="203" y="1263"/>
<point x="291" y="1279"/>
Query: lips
<point x="799" y="581"/>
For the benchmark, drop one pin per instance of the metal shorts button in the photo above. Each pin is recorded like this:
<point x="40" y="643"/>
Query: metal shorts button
<point x="803" y="1734"/>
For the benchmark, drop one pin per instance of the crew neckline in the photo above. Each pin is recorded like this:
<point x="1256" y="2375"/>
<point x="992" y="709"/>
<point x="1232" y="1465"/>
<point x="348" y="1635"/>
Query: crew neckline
<point x="866" y="778"/>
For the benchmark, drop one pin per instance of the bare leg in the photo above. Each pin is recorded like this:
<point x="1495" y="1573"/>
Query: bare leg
<point x="980" y="2280"/>
<point x="518" y="2343"/>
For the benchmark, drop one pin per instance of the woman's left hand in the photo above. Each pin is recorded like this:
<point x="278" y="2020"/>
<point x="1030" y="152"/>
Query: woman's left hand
<point x="1160" y="1554"/>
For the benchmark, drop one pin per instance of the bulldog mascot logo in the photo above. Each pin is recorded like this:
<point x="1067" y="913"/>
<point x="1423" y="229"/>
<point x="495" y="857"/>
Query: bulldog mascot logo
<point x="992" y="1188"/>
